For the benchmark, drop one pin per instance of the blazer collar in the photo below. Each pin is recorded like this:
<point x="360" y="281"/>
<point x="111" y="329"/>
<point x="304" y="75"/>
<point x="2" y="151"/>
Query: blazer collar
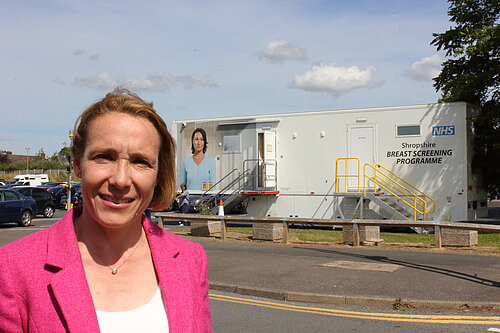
<point x="165" y="253"/>
<point x="68" y="284"/>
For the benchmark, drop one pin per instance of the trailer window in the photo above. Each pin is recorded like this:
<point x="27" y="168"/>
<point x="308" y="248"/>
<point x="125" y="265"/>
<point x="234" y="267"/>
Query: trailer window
<point x="231" y="144"/>
<point x="407" y="130"/>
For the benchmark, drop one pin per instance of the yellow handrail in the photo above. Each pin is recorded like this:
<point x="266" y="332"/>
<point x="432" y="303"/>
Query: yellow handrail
<point x="420" y="202"/>
<point x="400" y="188"/>
<point x="413" y="187"/>
<point x="346" y="174"/>
<point x="411" y="197"/>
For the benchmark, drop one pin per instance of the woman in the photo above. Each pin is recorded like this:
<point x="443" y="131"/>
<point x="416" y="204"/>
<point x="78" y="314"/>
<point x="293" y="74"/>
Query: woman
<point x="198" y="170"/>
<point x="105" y="266"/>
<point x="183" y="199"/>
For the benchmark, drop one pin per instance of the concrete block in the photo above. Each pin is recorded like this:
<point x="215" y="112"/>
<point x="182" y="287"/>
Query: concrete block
<point x="206" y="228"/>
<point x="366" y="233"/>
<point x="457" y="237"/>
<point x="267" y="231"/>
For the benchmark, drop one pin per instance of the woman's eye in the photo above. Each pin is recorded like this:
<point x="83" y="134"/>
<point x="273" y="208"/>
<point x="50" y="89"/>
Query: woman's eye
<point x="142" y="162"/>
<point x="104" y="157"/>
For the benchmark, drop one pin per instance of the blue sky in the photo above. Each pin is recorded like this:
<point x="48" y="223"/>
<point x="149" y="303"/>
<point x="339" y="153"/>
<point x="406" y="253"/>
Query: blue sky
<point x="199" y="59"/>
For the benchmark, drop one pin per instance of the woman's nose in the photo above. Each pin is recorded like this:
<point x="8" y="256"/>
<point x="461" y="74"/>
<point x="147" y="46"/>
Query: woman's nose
<point x="121" y="177"/>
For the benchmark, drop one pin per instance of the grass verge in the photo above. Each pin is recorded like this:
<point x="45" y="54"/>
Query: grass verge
<point x="335" y="236"/>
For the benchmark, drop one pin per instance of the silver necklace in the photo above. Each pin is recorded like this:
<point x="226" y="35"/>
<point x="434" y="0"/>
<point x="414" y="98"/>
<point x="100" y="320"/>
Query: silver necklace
<point x="114" y="270"/>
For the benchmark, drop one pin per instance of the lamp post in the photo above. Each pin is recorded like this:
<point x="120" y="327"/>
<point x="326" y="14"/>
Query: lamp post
<point x="27" y="160"/>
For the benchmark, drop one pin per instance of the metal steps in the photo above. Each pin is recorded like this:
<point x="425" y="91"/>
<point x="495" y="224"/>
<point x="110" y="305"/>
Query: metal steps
<point x="396" y="210"/>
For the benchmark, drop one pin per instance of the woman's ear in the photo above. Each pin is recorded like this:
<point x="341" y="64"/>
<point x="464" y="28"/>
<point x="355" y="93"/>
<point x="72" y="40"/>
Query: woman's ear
<point x="77" y="166"/>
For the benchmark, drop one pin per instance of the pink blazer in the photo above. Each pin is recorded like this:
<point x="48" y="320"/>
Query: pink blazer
<point x="43" y="287"/>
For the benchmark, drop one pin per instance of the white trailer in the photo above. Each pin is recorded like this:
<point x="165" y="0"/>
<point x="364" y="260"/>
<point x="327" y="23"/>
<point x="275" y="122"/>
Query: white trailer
<point x="31" y="180"/>
<point x="415" y="160"/>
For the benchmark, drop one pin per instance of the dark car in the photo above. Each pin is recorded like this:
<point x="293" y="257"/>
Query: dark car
<point x="44" y="203"/>
<point x="76" y="199"/>
<point x="48" y="185"/>
<point x="63" y="192"/>
<point x="53" y="191"/>
<point x="16" y="207"/>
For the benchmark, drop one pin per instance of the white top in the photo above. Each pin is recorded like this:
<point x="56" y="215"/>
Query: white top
<point x="151" y="318"/>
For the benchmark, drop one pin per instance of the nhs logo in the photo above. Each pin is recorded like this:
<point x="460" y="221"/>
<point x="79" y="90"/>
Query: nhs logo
<point x="443" y="130"/>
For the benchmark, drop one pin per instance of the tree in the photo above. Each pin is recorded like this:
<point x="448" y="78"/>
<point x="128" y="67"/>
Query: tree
<point x="65" y="150"/>
<point x="472" y="74"/>
<point x="4" y="158"/>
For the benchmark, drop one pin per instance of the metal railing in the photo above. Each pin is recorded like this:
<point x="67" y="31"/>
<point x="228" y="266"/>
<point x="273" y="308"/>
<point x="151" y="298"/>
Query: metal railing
<point x="207" y="196"/>
<point x="346" y="175"/>
<point x="248" y="179"/>
<point x="259" y="173"/>
<point x="383" y="178"/>
<point x="408" y="194"/>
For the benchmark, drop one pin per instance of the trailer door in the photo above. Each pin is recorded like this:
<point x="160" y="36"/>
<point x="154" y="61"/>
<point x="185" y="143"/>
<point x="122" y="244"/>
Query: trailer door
<point x="267" y="157"/>
<point x="361" y="145"/>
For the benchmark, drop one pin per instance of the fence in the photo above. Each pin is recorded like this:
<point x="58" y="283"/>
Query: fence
<point x="329" y="222"/>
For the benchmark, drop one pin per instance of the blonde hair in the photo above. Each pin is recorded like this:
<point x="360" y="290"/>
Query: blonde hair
<point x="122" y="100"/>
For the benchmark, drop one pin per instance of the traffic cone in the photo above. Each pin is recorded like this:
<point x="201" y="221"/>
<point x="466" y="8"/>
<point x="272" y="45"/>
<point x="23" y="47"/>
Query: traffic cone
<point x="221" y="208"/>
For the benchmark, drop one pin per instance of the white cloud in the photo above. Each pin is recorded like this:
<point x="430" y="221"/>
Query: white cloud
<point x="156" y="83"/>
<point x="426" y="68"/>
<point x="277" y="51"/>
<point x="332" y="79"/>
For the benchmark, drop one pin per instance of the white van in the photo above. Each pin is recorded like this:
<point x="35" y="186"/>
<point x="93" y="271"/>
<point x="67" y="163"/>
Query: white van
<point x="31" y="180"/>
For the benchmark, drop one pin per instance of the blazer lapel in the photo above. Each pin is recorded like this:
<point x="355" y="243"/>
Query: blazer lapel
<point x="172" y="276"/>
<point x="68" y="285"/>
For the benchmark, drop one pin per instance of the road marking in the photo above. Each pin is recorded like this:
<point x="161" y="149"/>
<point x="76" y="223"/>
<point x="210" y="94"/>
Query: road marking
<point x="493" y="329"/>
<point x="47" y="219"/>
<point x="435" y="319"/>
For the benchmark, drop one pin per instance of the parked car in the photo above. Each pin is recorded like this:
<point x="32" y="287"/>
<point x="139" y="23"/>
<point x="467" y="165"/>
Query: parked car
<point x="76" y="199"/>
<point x="53" y="191"/>
<point x="17" y="184"/>
<point x="44" y="204"/>
<point x="9" y="183"/>
<point x="16" y="207"/>
<point x="63" y="192"/>
<point x="48" y="185"/>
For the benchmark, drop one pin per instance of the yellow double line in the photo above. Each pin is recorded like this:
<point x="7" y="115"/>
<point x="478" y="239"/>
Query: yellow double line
<point x="435" y="319"/>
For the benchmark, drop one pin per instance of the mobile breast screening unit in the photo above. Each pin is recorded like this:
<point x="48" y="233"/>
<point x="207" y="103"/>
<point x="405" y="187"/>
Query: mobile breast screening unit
<point x="398" y="162"/>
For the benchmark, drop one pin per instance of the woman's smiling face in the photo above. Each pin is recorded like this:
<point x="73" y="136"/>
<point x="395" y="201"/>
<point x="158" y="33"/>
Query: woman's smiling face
<point x="118" y="168"/>
<point x="198" y="142"/>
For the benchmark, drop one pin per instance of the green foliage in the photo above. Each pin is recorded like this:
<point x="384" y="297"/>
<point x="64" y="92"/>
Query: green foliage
<point x="206" y="209"/>
<point x="472" y="74"/>
<point x="36" y="162"/>
<point x="33" y="164"/>
<point x="64" y="151"/>
<point x="4" y="159"/>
